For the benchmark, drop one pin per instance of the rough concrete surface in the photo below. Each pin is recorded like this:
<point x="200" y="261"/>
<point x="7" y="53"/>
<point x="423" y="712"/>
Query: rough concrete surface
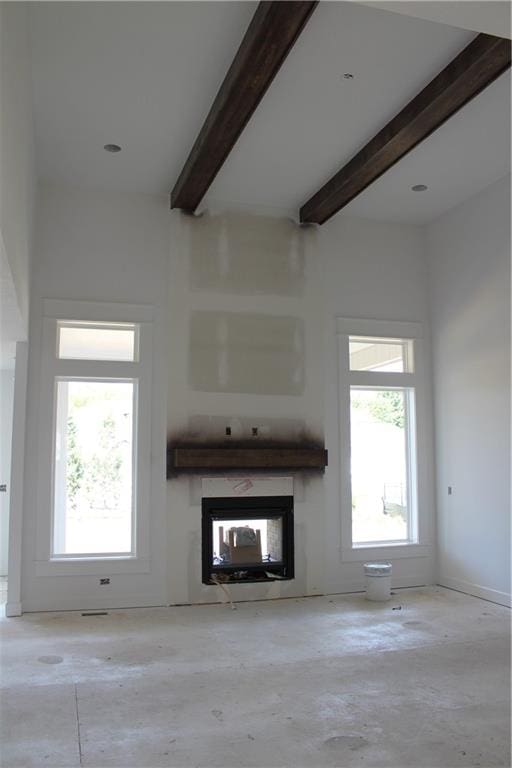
<point x="422" y="680"/>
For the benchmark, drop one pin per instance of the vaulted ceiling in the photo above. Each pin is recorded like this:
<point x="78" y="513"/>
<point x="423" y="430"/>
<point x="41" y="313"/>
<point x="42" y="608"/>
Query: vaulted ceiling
<point x="144" y="76"/>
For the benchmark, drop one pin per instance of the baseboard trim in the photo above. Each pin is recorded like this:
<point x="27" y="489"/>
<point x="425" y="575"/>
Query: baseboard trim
<point x="13" y="609"/>
<point x="485" y="593"/>
<point x="77" y="605"/>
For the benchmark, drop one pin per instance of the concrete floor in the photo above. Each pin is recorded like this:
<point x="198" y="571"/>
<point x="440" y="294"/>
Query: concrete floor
<point x="330" y="681"/>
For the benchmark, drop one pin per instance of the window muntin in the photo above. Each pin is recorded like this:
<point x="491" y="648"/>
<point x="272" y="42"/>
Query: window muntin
<point x="97" y="341"/>
<point x="380" y="354"/>
<point x="94" y="500"/>
<point x="381" y="423"/>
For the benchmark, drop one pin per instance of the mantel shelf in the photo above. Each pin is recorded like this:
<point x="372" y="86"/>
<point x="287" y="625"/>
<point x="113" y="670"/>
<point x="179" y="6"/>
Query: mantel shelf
<point x="193" y="459"/>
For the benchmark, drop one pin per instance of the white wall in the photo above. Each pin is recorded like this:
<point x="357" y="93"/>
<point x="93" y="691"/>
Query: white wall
<point x="98" y="246"/>
<point x="17" y="189"/>
<point x="281" y="276"/>
<point x="6" y="405"/>
<point x="352" y="267"/>
<point x="374" y="270"/>
<point x="17" y="176"/>
<point x="469" y="258"/>
<point x="489" y="16"/>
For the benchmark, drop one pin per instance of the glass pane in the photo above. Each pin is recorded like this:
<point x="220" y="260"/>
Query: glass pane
<point x="369" y="354"/>
<point x="90" y="342"/>
<point x="378" y="445"/>
<point x="93" y="467"/>
<point x="247" y="542"/>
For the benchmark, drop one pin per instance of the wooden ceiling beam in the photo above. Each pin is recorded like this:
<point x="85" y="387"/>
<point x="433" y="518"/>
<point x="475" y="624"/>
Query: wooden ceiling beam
<point x="270" y="37"/>
<point x="482" y="61"/>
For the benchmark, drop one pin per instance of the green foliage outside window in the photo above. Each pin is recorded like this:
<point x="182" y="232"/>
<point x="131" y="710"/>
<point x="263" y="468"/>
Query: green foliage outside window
<point x="95" y="481"/>
<point x="388" y="407"/>
<point x="75" y="466"/>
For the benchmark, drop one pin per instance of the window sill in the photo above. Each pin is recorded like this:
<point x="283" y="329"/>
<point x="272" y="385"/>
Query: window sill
<point x="98" y="566"/>
<point x="360" y="554"/>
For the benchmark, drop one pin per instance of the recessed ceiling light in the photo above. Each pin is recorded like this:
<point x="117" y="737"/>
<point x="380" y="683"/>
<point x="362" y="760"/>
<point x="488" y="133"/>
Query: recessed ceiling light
<point x="419" y="188"/>
<point x="348" y="76"/>
<point x="112" y="148"/>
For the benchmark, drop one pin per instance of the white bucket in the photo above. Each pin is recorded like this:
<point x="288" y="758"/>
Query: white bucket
<point x="378" y="581"/>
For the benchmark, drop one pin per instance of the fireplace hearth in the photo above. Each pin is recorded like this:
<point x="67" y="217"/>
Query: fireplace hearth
<point x="247" y="539"/>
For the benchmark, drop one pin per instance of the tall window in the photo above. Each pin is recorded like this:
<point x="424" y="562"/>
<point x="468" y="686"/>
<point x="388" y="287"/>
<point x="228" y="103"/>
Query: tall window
<point x="378" y="414"/>
<point x="96" y="374"/>
<point x="95" y="424"/>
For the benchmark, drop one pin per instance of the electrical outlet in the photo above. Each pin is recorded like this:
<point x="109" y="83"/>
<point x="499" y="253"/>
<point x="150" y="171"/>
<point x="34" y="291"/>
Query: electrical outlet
<point x="104" y="581"/>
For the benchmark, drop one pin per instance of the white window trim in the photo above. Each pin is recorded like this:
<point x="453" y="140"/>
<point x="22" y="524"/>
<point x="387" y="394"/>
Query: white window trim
<point x="47" y="564"/>
<point x="392" y="329"/>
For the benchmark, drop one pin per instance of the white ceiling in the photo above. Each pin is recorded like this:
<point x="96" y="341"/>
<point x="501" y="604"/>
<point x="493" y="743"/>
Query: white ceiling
<point x="144" y="75"/>
<point x="468" y="152"/>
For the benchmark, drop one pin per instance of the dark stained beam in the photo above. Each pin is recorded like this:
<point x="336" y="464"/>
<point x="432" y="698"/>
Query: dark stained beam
<point x="182" y="459"/>
<point x="476" y="66"/>
<point x="270" y="37"/>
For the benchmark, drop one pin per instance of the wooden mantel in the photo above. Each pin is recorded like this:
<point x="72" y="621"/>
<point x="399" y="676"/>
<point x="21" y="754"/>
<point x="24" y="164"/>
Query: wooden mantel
<point x="194" y="459"/>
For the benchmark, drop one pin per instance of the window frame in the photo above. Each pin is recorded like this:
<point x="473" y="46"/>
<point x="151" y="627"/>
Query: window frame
<point x="410" y="461"/>
<point x="416" y="544"/>
<point x="55" y="556"/>
<point x="407" y="351"/>
<point x="109" y="326"/>
<point x="137" y="371"/>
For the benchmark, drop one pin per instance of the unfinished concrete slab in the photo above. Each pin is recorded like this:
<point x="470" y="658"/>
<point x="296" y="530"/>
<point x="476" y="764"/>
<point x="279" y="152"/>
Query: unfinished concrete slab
<point x="423" y="680"/>
<point x="44" y="733"/>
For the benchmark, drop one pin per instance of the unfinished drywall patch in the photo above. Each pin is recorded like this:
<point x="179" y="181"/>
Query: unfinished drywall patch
<point x="238" y="253"/>
<point x="248" y="353"/>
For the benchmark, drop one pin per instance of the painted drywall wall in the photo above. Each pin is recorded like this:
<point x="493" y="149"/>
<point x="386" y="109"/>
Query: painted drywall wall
<point x="98" y="246"/>
<point x="374" y="270"/>
<point x="249" y="352"/>
<point x="350" y="267"/>
<point x="17" y="179"/>
<point x="12" y="325"/>
<point x="489" y="16"/>
<point x="6" y="406"/>
<point x="93" y="245"/>
<point x="469" y="260"/>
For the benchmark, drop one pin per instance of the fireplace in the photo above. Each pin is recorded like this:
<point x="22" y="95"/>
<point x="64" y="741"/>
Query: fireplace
<point x="247" y="539"/>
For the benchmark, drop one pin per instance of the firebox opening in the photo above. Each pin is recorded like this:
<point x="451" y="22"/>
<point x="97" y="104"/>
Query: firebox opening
<point x="247" y="540"/>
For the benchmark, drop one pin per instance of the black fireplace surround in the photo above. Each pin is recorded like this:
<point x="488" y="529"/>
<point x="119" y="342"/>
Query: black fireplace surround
<point x="247" y="539"/>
